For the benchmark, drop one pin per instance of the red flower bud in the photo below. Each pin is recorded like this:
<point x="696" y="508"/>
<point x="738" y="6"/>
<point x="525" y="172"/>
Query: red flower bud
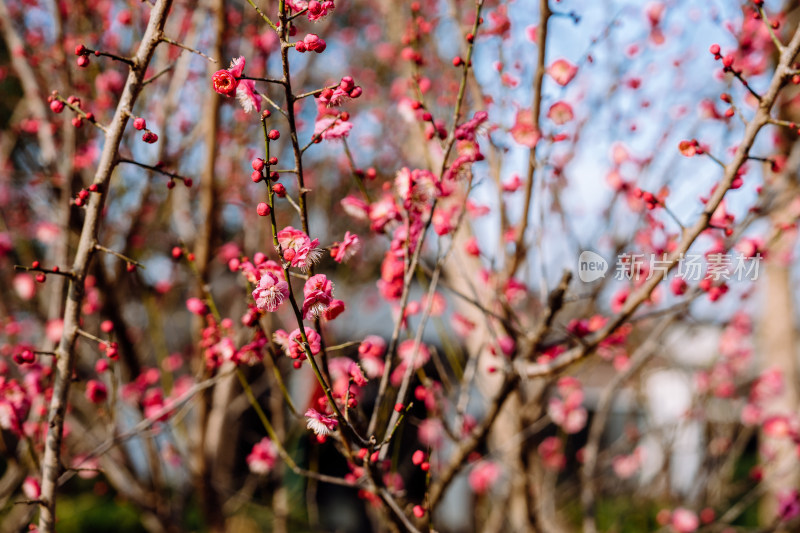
<point x="727" y="61"/>
<point x="263" y="209"/>
<point x="347" y="84"/>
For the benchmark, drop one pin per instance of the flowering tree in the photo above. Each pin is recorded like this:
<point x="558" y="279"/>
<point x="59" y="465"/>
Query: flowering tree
<point x="531" y="260"/>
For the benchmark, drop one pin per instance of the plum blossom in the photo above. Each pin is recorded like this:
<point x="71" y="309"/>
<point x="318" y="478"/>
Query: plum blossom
<point x="227" y="83"/>
<point x="467" y="130"/>
<point x="560" y="113"/>
<point x="335" y="309"/>
<point x="311" y="43"/>
<point x="333" y="97"/>
<point x="298" y="249"/>
<point x="248" y="96"/>
<point x="437" y="302"/>
<point x="343" y="371"/>
<point x="750" y="247"/>
<point x="768" y="385"/>
<point x="14" y="405"/>
<point x="788" y="505"/>
<point x="562" y="71"/>
<point x="31" y="488"/>
<point x="24" y="286"/>
<point x="625" y="466"/>
<point x="292" y="343"/>
<point x="513" y="184"/>
<point x="252" y="352"/>
<point x="551" y="450"/>
<point x="318" y="295"/>
<point x="445" y="219"/>
<point x="317" y="10"/>
<point x="332" y="127"/>
<point x="382" y="212"/>
<point x="253" y="272"/>
<point x="370" y="354"/>
<point x="409" y="357"/>
<point x="500" y="22"/>
<point x="320" y="424"/>
<point x="684" y="520"/>
<point x="415" y="187"/>
<point x="263" y="457"/>
<point x="355" y="207"/>
<point x="342" y="251"/>
<point x="271" y="292"/>
<point x="567" y="411"/>
<point x="196" y="306"/>
<point x="96" y="391"/>
<point x="779" y="427"/>
<point x="524" y="130"/>
<point x="751" y="415"/>
<point x="430" y="432"/>
<point x="224" y="82"/>
<point x="483" y="476"/>
<point x="391" y="283"/>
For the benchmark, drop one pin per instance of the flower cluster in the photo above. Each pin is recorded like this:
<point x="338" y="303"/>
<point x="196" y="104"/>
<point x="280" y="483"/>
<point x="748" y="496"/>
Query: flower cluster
<point x="568" y="411"/>
<point x="270" y="292"/>
<point x="298" y="249"/>
<point x="293" y="346"/>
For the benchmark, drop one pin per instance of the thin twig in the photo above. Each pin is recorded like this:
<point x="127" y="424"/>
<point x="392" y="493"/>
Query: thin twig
<point x="187" y="48"/>
<point x="117" y="254"/>
<point x="263" y="16"/>
<point x="65" y="359"/>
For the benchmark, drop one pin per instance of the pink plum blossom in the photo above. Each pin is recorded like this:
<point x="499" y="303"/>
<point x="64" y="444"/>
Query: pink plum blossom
<point x="271" y="292"/>
<point x="320" y="424"/>
<point x="263" y="457"/>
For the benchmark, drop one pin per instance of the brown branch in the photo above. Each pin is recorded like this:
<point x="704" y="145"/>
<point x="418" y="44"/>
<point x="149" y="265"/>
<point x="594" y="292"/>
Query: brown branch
<point x="65" y="351"/>
<point x="187" y="48"/>
<point x="208" y="188"/>
<point x="520" y="249"/>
